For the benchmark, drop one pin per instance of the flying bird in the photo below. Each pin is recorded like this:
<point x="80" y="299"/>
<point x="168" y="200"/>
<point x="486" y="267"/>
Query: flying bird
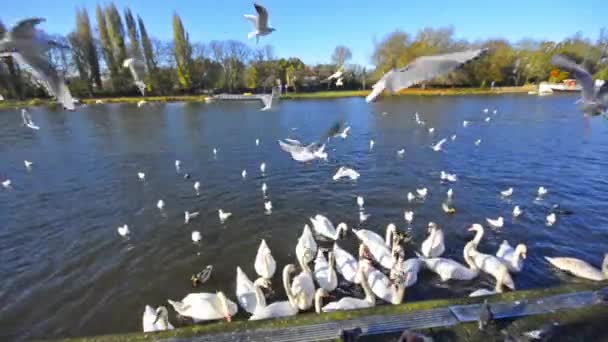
<point x="188" y="216"/>
<point x="31" y="47"/>
<point x="594" y="101"/>
<point x="437" y="147"/>
<point x="27" y="120"/>
<point x="507" y="193"/>
<point x="138" y="71"/>
<point x="223" y="215"/>
<point x="421" y="69"/>
<point x="260" y="23"/>
<point x="345" y="172"/>
<point x="28" y="164"/>
<point x="123" y="230"/>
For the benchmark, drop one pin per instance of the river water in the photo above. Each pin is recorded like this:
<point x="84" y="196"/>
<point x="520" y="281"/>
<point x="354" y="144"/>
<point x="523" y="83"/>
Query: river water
<point x="66" y="272"/>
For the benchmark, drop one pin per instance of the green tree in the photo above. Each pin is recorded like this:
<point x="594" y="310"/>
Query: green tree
<point x="147" y="46"/>
<point x="117" y="33"/>
<point x="183" y="53"/>
<point x="106" y="46"/>
<point x="391" y="52"/>
<point x="87" y="56"/>
<point x="134" y="48"/>
<point x="251" y="77"/>
<point x="14" y="83"/>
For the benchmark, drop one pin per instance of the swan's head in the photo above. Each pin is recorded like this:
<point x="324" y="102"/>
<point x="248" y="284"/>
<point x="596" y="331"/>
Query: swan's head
<point x="476" y="227"/>
<point x="161" y="314"/>
<point x="432" y="227"/>
<point x="605" y="265"/>
<point x="343" y="228"/>
<point x="391" y="227"/>
<point x="522" y="250"/>
<point x="224" y="304"/>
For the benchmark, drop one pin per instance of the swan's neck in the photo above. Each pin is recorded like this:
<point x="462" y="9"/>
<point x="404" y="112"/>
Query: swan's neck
<point x="516" y="259"/>
<point x="388" y="238"/>
<point x="470" y="247"/>
<point x="330" y="267"/>
<point x="500" y="278"/>
<point x="369" y="294"/>
<point x="605" y="266"/>
<point x="478" y="236"/>
<point x="339" y="230"/>
<point x="318" y="300"/>
<point x="259" y="297"/>
<point x="287" y="286"/>
<point x="398" y="294"/>
<point x="304" y="265"/>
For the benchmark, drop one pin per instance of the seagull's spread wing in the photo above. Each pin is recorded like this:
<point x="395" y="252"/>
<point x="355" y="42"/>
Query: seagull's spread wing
<point x="582" y="75"/>
<point x="422" y="69"/>
<point x="253" y="19"/>
<point x="46" y="74"/>
<point x="138" y="71"/>
<point x="262" y="17"/>
<point x="25" y="29"/>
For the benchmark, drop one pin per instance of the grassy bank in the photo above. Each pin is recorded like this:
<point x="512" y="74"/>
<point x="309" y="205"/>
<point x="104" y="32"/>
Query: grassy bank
<point x="412" y="92"/>
<point x="333" y="94"/>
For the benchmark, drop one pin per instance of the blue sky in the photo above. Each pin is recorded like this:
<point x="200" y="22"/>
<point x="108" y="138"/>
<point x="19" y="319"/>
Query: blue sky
<point x="310" y="29"/>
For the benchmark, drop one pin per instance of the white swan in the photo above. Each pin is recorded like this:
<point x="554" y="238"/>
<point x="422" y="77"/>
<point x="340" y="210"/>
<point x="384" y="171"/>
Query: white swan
<point x="513" y="258"/>
<point x="581" y="268"/>
<point x="205" y="306"/>
<point x="382" y="287"/>
<point x="302" y="291"/>
<point x="156" y="320"/>
<point x="489" y="264"/>
<point x="306" y="249"/>
<point x="479" y="231"/>
<point x="500" y="282"/>
<point x="378" y="248"/>
<point x="347" y="303"/>
<point x="245" y="291"/>
<point x="448" y="269"/>
<point x="274" y="310"/>
<point x="264" y="264"/>
<point x="407" y="270"/>
<point x="323" y="226"/>
<point x="324" y="271"/>
<point x="346" y="264"/>
<point x="434" y="245"/>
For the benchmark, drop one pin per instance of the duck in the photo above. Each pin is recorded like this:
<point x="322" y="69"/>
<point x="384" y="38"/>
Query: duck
<point x="264" y="264"/>
<point x="513" y="258"/>
<point x="434" y="244"/>
<point x="324" y="271"/>
<point x="385" y="289"/>
<point x="507" y="193"/>
<point x="491" y="265"/>
<point x="323" y="226"/>
<point x="156" y="320"/>
<point x="448" y="269"/>
<point x="302" y="290"/>
<point x="346" y="303"/>
<point x="346" y="172"/>
<point x="202" y="276"/>
<point x="580" y="268"/>
<point x="274" y="310"/>
<point x="245" y="291"/>
<point x="223" y="215"/>
<point x="306" y="249"/>
<point x="205" y="306"/>
<point x="496" y="223"/>
<point x="346" y="264"/>
<point x="517" y="211"/>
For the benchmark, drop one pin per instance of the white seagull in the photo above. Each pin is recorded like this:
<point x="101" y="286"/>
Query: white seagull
<point x="431" y="130"/>
<point x="344" y="133"/>
<point x="123" y="230"/>
<point x="263" y="168"/>
<point x="409" y="216"/>
<point x="223" y="215"/>
<point x="401" y="152"/>
<point x="141" y="176"/>
<point x="450" y="193"/>
<point x="30" y="46"/>
<point x="450" y="177"/>
<point x="27" y="120"/>
<point x="517" y="211"/>
<point x="257" y="142"/>
<point x="410" y="197"/>
<point x="178" y="165"/>
<point x="189" y="215"/>
<point x="507" y="193"/>
<point x="542" y="191"/>
<point x="497" y="223"/>
<point x="477" y="142"/>
<point x="465" y="123"/>
<point x="371" y="144"/>
<point x="345" y="172"/>
<point x="264" y="188"/>
<point x="363" y="216"/>
<point x="260" y="23"/>
<point x="360" y="202"/>
<point x="138" y="71"/>
<point x="551" y="218"/>
<point x="453" y="137"/>
<point x="197" y="186"/>
<point x="488" y="119"/>
<point x="6" y="183"/>
<point x="214" y="152"/>
<point x="196" y="236"/>
<point x="422" y="192"/>
<point x="268" y="207"/>
<point x="160" y="204"/>
<point x="141" y="103"/>
<point x="437" y="146"/>
<point x="28" y="164"/>
<point x="244" y="174"/>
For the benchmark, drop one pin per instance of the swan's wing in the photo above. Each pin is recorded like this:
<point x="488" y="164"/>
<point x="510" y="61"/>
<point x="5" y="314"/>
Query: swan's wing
<point x="582" y="75"/>
<point x="148" y="319"/>
<point x="25" y="29"/>
<point x="262" y="17"/>
<point x="44" y="72"/>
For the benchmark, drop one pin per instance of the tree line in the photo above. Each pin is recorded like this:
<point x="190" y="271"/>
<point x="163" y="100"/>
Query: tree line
<point x="93" y="60"/>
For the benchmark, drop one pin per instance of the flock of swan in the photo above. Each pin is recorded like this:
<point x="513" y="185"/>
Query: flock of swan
<point x="379" y="266"/>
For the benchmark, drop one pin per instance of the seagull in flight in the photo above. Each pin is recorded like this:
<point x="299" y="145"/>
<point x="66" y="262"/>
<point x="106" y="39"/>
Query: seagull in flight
<point x="594" y="102"/>
<point x="437" y="146"/>
<point x="421" y="69"/>
<point x="30" y="46"/>
<point x="27" y="120"/>
<point x="138" y="71"/>
<point x="260" y="23"/>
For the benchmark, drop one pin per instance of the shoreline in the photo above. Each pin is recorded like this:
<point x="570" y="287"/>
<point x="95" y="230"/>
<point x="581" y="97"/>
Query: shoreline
<point x="332" y="94"/>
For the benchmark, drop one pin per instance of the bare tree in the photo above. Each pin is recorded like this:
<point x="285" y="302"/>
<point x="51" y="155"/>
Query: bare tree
<point x="341" y="55"/>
